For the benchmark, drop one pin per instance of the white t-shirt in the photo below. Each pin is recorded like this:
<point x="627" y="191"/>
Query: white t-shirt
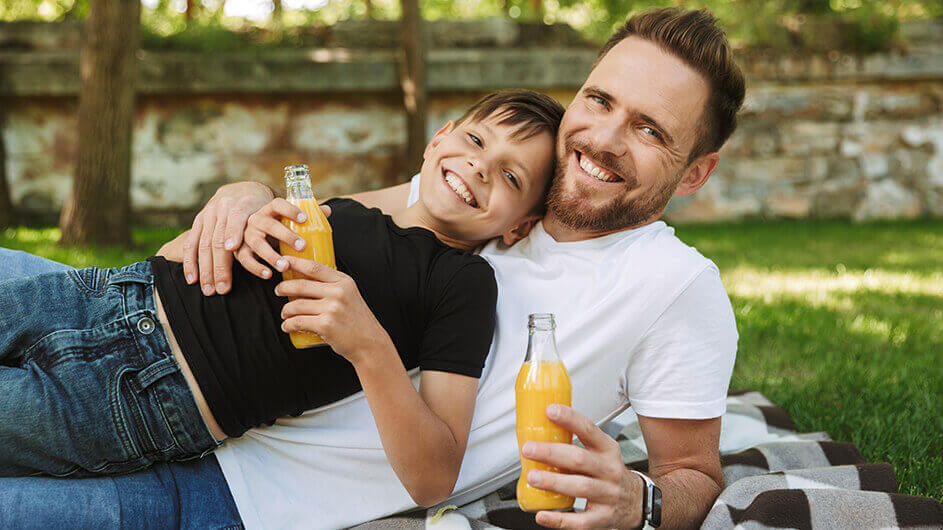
<point x="642" y="320"/>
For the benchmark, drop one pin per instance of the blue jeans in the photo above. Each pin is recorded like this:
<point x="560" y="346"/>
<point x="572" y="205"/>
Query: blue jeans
<point x="88" y="385"/>
<point x="187" y="495"/>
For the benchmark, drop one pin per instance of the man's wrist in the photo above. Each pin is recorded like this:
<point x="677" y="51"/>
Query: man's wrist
<point x="639" y="521"/>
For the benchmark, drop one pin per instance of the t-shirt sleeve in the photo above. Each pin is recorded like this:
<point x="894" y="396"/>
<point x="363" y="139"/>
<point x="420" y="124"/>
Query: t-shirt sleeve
<point x="683" y="365"/>
<point x="461" y="325"/>
<point x="413" y="191"/>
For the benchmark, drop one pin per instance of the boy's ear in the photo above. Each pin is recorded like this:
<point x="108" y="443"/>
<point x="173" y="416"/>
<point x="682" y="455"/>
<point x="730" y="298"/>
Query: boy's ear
<point x="438" y="136"/>
<point x="520" y="230"/>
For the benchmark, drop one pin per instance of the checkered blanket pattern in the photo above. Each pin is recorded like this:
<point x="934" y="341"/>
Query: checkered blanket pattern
<point x="776" y="478"/>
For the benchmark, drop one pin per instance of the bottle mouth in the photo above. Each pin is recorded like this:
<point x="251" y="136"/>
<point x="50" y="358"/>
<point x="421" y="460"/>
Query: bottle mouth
<point x="541" y="321"/>
<point x="296" y="172"/>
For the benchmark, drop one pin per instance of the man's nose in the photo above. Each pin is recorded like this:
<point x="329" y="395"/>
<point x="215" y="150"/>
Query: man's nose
<point x="609" y="136"/>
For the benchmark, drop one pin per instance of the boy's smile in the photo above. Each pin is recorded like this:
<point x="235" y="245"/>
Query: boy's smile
<point x="480" y="180"/>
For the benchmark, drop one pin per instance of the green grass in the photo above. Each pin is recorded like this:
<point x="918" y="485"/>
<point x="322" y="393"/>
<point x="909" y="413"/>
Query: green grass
<point x="840" y="324"/>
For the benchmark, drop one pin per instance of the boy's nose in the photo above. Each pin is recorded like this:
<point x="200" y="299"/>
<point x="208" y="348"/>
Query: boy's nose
<point x="480" y="171"/>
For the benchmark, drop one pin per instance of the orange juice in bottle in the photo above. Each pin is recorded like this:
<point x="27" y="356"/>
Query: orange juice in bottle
<point x="316" y="231"/>
<point x="542" y="380"/>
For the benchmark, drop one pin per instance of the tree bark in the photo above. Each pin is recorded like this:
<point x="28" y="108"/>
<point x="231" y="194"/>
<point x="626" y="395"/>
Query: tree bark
<point x="191" y="9"/>
<point x="277" y="13"/>
<point x="369" y="4"/>
<point x="6" y="206"/>
<point x="413" y="83"/>
<point x="99" y="209"/>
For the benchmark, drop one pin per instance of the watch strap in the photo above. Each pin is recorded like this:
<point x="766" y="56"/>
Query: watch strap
<point x="651" y="502"/>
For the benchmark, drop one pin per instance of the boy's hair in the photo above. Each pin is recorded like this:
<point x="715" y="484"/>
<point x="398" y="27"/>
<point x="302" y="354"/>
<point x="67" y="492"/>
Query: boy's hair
<point x="532" y="113"/>
<point x="694" y="37"/>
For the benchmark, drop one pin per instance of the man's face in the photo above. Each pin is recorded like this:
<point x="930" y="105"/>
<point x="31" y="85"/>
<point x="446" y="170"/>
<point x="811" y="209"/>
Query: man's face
<point x="624" y="142"/>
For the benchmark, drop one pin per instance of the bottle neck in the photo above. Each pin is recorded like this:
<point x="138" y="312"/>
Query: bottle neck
<point x="542" y="346"/>
<point x="298" y="189"/>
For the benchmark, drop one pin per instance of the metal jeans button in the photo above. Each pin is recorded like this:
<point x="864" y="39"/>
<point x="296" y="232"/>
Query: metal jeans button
<point x="146" y="325"/>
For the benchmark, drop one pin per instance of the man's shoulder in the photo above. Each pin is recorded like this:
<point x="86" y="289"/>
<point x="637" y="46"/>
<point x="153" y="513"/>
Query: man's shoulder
<point x="660" y="254"/>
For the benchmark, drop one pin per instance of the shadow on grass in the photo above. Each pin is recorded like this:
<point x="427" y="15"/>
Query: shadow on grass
<point x="869" y="373"/>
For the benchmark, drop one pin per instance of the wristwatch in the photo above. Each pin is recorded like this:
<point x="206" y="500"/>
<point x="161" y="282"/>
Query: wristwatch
<point x="651" y="502"/>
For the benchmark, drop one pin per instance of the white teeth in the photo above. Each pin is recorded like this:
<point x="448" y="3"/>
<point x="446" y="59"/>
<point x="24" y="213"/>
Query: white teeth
<point x="459" y="187"/>
<point x="595" y="171"/>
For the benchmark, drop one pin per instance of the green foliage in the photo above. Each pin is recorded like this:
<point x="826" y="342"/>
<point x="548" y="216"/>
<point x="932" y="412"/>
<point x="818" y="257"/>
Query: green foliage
<point x="852" y="25"/>
<point x="840" y="324"/>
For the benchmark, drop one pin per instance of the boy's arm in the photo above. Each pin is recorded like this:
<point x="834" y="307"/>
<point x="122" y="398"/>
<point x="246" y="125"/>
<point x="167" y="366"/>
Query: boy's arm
<point x="423" y="432"/>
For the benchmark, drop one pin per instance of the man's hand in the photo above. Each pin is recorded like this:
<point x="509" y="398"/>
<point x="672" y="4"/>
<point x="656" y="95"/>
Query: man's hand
<point x="328" y="303"/>
<point x="613" y="493"/>
<point x="217" y="231"/>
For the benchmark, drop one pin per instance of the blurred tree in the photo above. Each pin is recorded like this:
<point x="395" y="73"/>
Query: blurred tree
<point x="369" y="5"/>
<point x="99" y="209"/>
<point x="6" y="206"/>
<point x="191" y="9"/>
<point x="413" y="82"/>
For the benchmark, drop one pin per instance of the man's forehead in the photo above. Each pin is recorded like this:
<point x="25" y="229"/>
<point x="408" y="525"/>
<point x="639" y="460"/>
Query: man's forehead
<point x="642" y="76"/>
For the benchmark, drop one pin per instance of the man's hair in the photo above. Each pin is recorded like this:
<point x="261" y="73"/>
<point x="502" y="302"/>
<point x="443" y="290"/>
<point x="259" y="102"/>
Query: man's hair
<point x="532" y="112"/>
<point x="694" y="37"/>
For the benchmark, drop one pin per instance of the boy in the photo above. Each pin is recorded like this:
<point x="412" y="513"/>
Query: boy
<point x="405" y="296"/>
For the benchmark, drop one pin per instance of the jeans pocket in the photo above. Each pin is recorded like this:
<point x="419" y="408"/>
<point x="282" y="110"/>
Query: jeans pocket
<point x="142" y="412"/>
<point x="91" y="280"/>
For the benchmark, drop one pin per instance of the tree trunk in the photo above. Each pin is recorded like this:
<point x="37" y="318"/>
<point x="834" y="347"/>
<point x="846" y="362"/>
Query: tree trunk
<point x="99" y="209"/>
<point x="277" y="13"/>
<point x="413" y="83"/>
<point x="6" y="206"/>
<point x="191" y="9"/>
<point x="538" y="10"/>
<point x="369" y="9"/>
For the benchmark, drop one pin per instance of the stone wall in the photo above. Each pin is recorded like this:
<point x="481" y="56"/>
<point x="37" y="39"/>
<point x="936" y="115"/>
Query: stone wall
<point x="831" y="135"/>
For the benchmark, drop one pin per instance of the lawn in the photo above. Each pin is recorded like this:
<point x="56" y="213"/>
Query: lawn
<point x="840" y="324"/>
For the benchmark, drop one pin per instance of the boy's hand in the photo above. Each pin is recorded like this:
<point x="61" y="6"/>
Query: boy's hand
<point x="268" y="222"/>
<point x="329" y="304"/>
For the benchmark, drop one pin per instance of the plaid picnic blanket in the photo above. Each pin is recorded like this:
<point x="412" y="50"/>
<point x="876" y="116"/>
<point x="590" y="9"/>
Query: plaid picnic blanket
<point x="776" y="478"/>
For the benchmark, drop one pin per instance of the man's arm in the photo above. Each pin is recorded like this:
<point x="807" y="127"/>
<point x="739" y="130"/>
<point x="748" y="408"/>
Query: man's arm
<point x="389" y="200"/>
<point x="684" y="462"/>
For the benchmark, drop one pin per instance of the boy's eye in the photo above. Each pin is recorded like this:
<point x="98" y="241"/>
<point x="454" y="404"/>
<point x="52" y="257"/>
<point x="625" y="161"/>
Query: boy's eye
<point x="512" y="179"/>
<point x="475" y="139"/>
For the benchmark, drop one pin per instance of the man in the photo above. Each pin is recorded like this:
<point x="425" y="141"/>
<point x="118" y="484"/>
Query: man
<point x="642" y="319"/>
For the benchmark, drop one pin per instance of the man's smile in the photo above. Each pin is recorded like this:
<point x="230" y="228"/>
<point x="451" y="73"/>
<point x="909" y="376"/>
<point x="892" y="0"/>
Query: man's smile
<point x="594" y="171"/>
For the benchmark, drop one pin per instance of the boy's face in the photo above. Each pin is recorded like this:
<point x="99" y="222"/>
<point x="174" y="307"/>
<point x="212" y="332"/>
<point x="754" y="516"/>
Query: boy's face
<point x="480" y="182"/>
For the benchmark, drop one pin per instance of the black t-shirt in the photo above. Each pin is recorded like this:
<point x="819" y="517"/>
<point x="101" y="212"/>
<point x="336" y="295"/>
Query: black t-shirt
<point x="436" y="302"/>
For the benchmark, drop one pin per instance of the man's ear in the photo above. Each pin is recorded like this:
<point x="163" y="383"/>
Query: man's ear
<point x="520" y="230"/>
<point x="437" y="137"/>
<point x="696" y="174"/>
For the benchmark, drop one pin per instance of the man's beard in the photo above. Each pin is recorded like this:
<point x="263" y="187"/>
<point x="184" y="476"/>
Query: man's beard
<point x="573" y="208"/>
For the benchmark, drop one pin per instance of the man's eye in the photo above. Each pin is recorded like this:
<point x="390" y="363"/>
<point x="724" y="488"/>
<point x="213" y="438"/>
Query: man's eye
<point x="599" y="100"/>
<point x="512" y="179"/>
<point x="652" y="132"/>
<point x="475" y="139"/>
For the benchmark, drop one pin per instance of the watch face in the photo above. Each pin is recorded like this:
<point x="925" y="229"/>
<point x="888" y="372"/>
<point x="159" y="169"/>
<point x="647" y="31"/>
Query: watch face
<point x="656" y="507"/>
